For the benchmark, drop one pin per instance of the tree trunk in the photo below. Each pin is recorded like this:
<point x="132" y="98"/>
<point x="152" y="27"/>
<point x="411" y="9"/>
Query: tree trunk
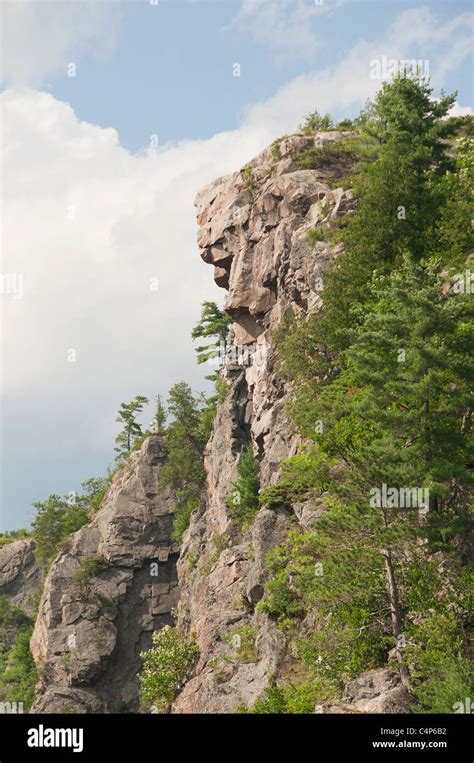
<point x="396" y="617"/>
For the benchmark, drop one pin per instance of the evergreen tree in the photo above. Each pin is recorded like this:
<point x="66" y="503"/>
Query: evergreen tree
<point x="243" y="499"/>
<point x="127" y="416"/>
<point x="214" y="324"/>
<point x="159" y="419"/>
<point x="454" y="230"/>
<point x="400" y="197"/>
<point x="57" y="517"/>
<point x="184" y="470"/>
<point x="315" y="122"/>
<point x="397" y="414"/>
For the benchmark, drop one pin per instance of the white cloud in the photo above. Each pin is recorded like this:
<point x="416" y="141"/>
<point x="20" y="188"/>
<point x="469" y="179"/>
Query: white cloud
<point x="87" y="279"/>
<point x="42" y="37"/>
<point x="284" y="26"/>
<point x="416" y="34"/>
<point x="460" y="111"/>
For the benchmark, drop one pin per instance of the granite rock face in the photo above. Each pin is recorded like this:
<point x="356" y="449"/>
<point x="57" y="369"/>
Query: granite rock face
<point x="20" y="575"/>
<point x="254" y="231"/>
<point x="101" y="600"/>
<point x="375" y="691"/>
<point x="110" y="587"/>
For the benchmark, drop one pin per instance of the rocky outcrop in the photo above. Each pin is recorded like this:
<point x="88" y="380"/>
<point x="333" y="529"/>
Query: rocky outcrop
<point x="267" y="231"/>
<point x="110" y="587"/>
<point x="255" y="228"/>
<point x="20" y="575"/>
<point x="375" y="691"/>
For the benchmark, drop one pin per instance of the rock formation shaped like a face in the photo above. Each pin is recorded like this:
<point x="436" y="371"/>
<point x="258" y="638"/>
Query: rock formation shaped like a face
<point x="113" y="584"/>
<point x="254" y="230"/>
<point x="252" y="222"/>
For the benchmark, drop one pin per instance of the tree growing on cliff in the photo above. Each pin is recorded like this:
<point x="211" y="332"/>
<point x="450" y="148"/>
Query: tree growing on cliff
<point x="57" y="517"/>
<point x="243" y="497"/>
<point x="159" y="418"/>
<point x="213" y="324"/>
<point x="18" y="674"/>
<point x="400" y="198"/>
<point x="314" y="122"/>
<point x="185" y="441"/>
<point x="398" y="414"/>
<point x="132" y="430"/>
<point x="165" y="668"/>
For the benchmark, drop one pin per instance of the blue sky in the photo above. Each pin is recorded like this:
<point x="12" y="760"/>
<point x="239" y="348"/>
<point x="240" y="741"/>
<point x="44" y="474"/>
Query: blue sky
<point x="92" y="213"/>
<point x="170" y="72"/>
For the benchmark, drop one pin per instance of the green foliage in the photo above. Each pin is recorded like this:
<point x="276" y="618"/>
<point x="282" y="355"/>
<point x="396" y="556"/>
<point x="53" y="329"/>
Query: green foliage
<point x="249" y="179"/>
<point x="18" y="675"/>
<point x="336" y="156"/>
<point x="381" y="382"/>
<point x="400" y="196"/>
<point x="90" y="567"/>
<point x="345" y="124"/>
<point x="314" y="235"/>
<point x="454" y="228"/>
<point x="159" y="417"/>
<point x="57" y="517"/>
<point x="192" y="560"/>
<point x="294" y="699"/>
<point x="214" y="324"/>
<point x="127" y="416"/>
<point x="315" y="122"/>
<point x="13" y="535"/>
<point x="301" y="477"/>
<point x="242" y="641"/>
<point x="275" y="147"/>
<point x="185" y="438"/>
<point x="94" y="491"/>
<point x="165" y="668"/>
<point x="442" y="671"/>
<point x="243" y="500"/>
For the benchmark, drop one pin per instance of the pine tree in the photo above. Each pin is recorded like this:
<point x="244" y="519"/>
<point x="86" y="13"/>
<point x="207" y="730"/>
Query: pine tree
<point x="159" y="419"/>
<point x="184" y="470"/>
<point x="243" y="498"/>
<point x="398" y="414"/>
<point x="214" y="324"/>
<point x="127" y="416"/>
<point x="400" y="197"/>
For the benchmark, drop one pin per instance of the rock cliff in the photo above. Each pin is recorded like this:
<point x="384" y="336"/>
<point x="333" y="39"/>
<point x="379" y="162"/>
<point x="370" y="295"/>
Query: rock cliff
<point x="111" y="586"/>
<point x="121" y="576"/>
<point x="254" y="230"/>
<point x="20" y="575"/>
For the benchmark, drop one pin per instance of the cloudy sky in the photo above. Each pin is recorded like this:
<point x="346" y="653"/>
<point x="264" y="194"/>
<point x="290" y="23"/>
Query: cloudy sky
<point x="113" y="115"/>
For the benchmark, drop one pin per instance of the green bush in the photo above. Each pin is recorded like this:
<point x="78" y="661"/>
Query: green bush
<point x="185" y="439"/>
<point x="441" y="669"/>
<point x="314" y="122"/>
<point x="289" y="699"/>
<point x="57" y="517"/>
<point x="18" y="675"/>
<point x="242" y="640"/>
<point x="314" y="235"/>
<point x="165" y="668"/>
<point x="13" y="535"/>
<point x="243" y="500"/>
<point x="328" y="156"/>
<point x="90" y="567"/>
